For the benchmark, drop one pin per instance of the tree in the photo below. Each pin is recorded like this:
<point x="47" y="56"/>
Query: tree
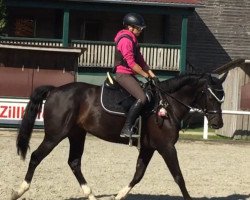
<point x="2" y="15"/>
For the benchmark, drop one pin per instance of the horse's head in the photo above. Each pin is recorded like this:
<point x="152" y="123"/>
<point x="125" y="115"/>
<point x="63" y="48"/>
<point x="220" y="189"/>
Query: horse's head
<point x="210" y="98"/>
<point x="192" y="91"/>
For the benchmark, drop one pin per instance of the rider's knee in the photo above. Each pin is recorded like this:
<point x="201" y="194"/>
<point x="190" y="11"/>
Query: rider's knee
<point x="144" y="100"/>
<point x="148" y="95"/>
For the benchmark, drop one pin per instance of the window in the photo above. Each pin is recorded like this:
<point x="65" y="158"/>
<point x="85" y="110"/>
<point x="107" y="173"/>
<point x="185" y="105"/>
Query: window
<point x="24" y="27"/>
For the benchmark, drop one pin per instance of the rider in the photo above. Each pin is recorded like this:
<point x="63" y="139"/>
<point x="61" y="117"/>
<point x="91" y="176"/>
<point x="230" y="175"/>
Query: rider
<point x="129" y="62"/>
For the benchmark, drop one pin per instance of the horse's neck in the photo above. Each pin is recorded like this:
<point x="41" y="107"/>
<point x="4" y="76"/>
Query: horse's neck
<point x="186" y="97"/>
<point x="184" y="89"/>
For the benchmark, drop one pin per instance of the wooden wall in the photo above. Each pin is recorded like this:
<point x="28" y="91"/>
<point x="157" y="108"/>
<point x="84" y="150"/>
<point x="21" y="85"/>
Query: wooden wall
<point x="17" y="82"/>
<point x="235" y="124"/>
<point x="218" y="33"/>
<point x="21" y="70"/>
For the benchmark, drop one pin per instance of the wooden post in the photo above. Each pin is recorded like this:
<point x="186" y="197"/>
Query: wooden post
<point x="183" y="43"/>
<point x="65" y="28"/>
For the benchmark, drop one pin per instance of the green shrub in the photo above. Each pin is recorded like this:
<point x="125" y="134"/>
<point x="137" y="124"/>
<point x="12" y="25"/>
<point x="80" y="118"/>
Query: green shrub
<point x="3" y="15"/>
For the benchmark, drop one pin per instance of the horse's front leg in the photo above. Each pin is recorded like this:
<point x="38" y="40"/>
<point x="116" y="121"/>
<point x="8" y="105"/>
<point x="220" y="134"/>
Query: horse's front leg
<point x="144" y="157"/>
<point x="169" y="155"/>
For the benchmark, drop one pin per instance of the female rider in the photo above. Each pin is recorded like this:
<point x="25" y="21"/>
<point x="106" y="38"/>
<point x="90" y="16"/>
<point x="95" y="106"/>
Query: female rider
<point x="129" y="62"/>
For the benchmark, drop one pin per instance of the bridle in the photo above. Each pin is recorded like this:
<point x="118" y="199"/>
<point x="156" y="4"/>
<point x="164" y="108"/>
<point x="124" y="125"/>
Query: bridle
<point x="214" y="95"/>
<point x="204" y="110"/>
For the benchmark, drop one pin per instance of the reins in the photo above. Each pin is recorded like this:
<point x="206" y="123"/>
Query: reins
<point x="166" y="93"/>
<point x="191" y="109"/>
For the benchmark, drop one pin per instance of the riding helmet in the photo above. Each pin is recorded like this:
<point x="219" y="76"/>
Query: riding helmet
<point x="134" y="19"/>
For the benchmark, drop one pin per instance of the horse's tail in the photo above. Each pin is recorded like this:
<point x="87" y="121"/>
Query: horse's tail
<point x="33" y="108"/>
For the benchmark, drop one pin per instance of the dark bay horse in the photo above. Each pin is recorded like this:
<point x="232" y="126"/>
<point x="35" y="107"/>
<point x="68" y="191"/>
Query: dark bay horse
<point x="72" y="110"/>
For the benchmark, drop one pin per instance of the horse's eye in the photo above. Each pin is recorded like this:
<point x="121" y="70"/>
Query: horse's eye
<point x="210" y="97"/>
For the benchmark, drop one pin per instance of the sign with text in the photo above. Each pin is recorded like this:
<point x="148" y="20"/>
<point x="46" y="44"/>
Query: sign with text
<point x="12" y="110"/>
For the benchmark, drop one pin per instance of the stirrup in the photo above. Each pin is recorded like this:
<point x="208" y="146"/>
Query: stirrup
<point x="129" y="135"/>
<point x="135" y="136"/>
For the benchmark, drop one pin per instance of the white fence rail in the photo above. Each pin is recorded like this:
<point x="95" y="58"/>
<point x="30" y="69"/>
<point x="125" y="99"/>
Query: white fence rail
<point x="162" y="58"/>
<point x="229" y="112"/>
<point x="103" y="55"/>
<point x="96" y="55"/>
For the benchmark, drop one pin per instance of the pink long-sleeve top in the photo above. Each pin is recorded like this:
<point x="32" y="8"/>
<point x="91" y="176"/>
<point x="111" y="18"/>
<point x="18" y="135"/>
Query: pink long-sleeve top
<point x="125" y="46"/>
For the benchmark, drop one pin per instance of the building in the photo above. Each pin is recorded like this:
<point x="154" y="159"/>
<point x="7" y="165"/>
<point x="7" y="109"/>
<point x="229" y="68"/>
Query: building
<point x="60" y="41"/>
<point x="218" y="33"/>
<point x="92" y="25"/>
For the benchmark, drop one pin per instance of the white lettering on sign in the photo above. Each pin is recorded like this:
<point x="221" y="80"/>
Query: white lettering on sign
<point x="12" y="110"/>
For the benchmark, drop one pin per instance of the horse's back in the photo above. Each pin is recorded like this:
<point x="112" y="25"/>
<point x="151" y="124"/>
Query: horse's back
<point x="64" y="102"/>
<point x="72" y="89"/>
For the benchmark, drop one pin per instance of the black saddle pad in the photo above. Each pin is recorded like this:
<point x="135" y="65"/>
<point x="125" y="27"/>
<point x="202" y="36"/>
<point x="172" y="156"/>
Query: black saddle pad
<point x="115" y="99"/>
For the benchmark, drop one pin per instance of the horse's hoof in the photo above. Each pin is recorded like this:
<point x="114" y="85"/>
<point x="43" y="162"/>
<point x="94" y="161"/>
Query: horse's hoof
<point x="14" y="195"/>
<point x="114" y="198"/>
<point x="92" y="198"/>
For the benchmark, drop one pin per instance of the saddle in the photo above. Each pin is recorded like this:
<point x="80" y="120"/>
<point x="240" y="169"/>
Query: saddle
<point x="114" y="98"/>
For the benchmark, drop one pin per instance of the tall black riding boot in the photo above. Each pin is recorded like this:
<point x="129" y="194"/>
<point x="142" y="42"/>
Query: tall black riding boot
<point x="133" y="113"/>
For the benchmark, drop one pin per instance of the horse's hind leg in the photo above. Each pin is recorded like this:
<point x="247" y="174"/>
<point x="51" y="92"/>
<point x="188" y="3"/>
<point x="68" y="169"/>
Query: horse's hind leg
<point x="144" y="157"/>
<point x="169" y="155"/>
<point x="36" y="157"/>
<point x="77" y="139"/>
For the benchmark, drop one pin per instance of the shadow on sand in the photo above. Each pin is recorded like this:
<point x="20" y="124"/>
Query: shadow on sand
<point x="167" y="197"/>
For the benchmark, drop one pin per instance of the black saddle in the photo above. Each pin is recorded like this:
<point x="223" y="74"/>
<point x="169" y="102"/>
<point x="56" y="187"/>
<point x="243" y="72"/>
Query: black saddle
<point x="114" y="98"/>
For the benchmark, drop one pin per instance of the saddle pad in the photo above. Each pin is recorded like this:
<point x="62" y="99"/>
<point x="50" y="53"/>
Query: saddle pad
<point x="115" y="99"/>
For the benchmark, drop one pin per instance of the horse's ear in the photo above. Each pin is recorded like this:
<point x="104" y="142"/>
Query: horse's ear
<point x="223" y="78"/>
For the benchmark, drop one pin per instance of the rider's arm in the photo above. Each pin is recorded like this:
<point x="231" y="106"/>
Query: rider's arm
<point x="144" y="66"/>
<point x="126" y="48"/>
<point x="137" y="69"/>
<point x="151" y="73"/>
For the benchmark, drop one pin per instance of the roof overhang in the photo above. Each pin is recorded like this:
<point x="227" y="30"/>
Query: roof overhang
<point x="51" y="49"/>
<point x="165" y="3"/>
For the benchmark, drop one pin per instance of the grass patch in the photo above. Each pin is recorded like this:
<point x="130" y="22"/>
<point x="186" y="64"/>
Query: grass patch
<point x="191" y="136"/>
<point x="197" y="134"/>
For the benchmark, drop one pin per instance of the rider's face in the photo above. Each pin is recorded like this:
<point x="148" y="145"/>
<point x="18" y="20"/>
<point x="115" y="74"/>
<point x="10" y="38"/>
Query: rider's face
<point x="135" y="30"/>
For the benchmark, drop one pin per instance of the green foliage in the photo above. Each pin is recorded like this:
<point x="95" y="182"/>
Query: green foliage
<point x="3" y="15"/>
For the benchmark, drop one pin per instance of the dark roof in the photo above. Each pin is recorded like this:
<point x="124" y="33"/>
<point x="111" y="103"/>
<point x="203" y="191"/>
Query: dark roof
<point x="172" y="3"/>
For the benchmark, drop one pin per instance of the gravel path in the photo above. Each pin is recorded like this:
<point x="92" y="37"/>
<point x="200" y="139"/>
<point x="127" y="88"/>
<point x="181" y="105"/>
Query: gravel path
<point x="212" y="170"/>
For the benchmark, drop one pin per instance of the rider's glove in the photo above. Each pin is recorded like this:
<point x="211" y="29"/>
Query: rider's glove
<point x="155" y="80"/>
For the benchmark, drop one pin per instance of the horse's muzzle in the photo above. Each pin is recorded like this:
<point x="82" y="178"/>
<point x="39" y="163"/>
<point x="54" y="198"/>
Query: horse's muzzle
<point x="215" y="121"/>
<point x="216" y="126"/>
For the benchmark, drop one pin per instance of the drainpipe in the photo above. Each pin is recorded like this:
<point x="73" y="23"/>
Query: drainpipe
<point x="183" y="43"/>
<point x="65" y="38"/>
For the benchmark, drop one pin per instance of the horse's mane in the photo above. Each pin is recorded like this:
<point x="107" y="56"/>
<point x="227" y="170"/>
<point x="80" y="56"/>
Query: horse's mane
<point x="173" y="84"/>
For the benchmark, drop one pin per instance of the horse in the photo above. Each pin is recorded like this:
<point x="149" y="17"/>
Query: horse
<point x="73" y="110"/>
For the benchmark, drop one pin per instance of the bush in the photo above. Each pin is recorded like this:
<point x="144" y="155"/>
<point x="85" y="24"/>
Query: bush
<point x="2" y="16"/>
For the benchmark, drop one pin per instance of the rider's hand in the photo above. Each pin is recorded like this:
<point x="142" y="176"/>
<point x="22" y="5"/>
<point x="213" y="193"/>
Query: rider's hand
<point x="155" y="80"/>
<point x="147" y="78"/>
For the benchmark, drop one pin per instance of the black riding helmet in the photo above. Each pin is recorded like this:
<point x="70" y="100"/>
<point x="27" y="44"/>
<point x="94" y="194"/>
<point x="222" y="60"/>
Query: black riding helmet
<point x="134" y="19"/>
